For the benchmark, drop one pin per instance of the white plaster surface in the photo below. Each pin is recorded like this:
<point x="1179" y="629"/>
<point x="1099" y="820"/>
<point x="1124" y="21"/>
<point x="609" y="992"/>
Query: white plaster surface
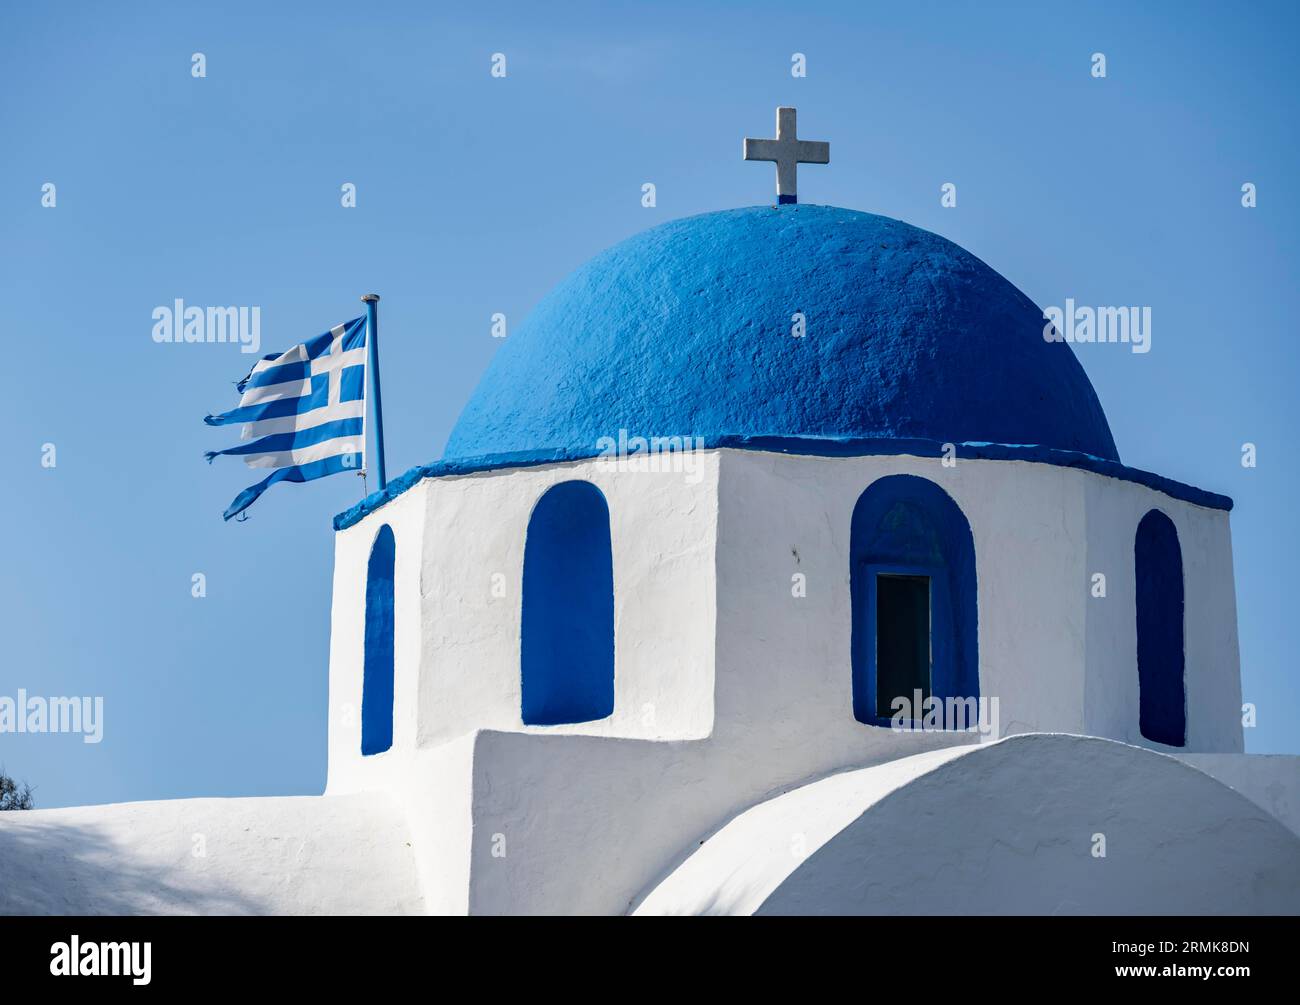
<point x="1272" y="781"/>
<point x="458" y="642"/>
<point x="1057" y="658"/>
<point x="281" y="855"/>
<point x="732" y="700"/>
<point x="1211" y="671"/>
<point x="1004" y="828"/>
<point x="729" y="689"/>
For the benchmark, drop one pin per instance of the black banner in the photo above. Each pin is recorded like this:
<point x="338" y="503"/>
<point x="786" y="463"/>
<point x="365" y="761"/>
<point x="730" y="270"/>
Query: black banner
<point x="329" y="954"/>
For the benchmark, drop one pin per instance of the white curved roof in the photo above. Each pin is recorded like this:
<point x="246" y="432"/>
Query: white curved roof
<point x="280" y="855"/>
<point x="1008" y="827"/>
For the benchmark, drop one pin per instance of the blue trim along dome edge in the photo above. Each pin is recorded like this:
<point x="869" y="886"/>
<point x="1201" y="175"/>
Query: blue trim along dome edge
<point x="685" y="330"/>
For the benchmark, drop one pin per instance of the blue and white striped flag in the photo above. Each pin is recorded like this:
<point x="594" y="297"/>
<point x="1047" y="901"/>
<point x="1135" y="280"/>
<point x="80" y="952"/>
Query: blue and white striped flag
<point x="304" y="411"/>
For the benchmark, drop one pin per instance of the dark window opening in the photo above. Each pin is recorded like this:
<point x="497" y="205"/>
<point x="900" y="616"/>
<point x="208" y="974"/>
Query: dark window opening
<point x="902" y="641"/>
<point x="913" y="594"/>
<point x="1162" y="691"/>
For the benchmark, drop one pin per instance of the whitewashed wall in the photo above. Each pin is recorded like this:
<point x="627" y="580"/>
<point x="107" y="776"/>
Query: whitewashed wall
<point x="1271" y="781"/>
<point x="406" y="516"/>
<point x="1212" y="672"/>
<point x="713" y="652"/>
<point x="784" y="662"/>
<point x="1057" y="658"/>
<point x="1034" y="811"/>
<point x="663" y="528"/>
<point x="456" y="645"/>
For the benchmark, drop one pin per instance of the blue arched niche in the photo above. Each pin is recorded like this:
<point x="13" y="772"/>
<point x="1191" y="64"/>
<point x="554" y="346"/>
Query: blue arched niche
<point x="377" y="677"/>
<point x="907" y="532"/>
<point x="567" y="631"/>
<point x="1158" y="569"/>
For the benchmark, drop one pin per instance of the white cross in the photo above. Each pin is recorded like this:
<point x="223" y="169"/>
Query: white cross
<point x="789" y="152"/>
<point x="333" y="362"/>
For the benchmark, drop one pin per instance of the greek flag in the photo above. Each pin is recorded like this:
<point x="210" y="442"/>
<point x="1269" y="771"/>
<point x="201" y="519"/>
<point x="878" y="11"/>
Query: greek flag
<point x="303" y="412"/>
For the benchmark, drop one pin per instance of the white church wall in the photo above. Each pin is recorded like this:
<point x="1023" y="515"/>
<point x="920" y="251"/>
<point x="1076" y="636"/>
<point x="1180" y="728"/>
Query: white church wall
<point x="1211" y="669"/>
<point x="435" y="788"/>
<point x="784" y="693"/>
<point x="551" y="812"/>
<point x="662" y="529"/>
<point x="456" y="646"/>
<point x="1057" y="658"/>
<point x="1052" y="824"/>
<point x="460" y="541"/>
<point x="567" y="808"/>
<point x="1028" y="524"/>
<point x="784" y="662"/>
<point x="741" y="865"/>
<point x="509" y="818"/>
<point x="405" y="516"/>
<point x="627" y="810"/>
<point x="1271" y="781"/>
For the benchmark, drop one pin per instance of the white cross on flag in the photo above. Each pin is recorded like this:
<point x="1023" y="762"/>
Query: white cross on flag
<point x="304" y="411"/>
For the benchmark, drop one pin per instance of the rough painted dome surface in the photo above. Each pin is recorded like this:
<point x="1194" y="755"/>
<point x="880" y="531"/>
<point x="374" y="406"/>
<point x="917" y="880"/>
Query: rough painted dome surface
<point x="685" y="330"/>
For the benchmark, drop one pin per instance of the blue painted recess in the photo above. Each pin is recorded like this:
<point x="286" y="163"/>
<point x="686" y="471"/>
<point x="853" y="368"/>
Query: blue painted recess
<point x="908" y="525"/>
<point x="685" y="330"/>
<point x="377" y="674"/>
<point x="1162" y="692"/>
<point x="567" y="633"/>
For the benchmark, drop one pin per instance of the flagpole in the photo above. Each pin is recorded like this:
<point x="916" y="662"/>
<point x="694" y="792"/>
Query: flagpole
<point x="372" y="365"/>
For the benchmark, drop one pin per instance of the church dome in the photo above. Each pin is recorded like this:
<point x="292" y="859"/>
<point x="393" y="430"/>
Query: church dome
<point x="686" y="330"/>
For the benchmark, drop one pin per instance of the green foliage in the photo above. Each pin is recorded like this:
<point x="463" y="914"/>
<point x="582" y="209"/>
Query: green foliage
<point x="14" y="796"/>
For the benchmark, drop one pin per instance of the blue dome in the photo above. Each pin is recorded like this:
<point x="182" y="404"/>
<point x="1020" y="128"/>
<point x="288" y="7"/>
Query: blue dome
<point x="685" y="330"/>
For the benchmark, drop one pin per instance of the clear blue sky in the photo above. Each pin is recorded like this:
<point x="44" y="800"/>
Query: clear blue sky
<point x="476" y="195"/>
